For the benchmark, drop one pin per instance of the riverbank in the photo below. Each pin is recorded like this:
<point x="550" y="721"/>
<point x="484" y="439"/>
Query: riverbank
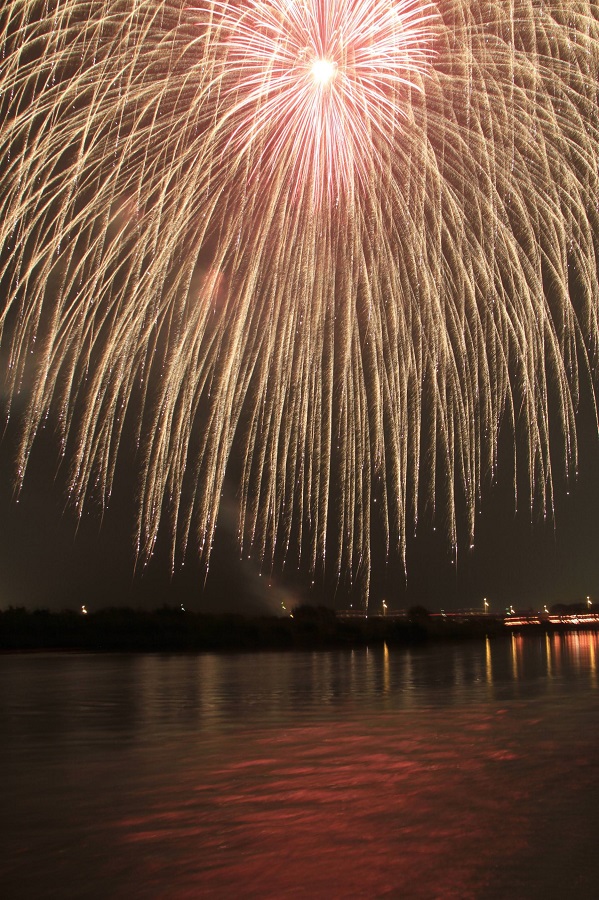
<point x="175" y="630"/>
<point x="172" y="629"/>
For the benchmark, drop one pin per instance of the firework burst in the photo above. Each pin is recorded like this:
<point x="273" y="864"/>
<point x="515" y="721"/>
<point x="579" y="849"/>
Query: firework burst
<point x="312" y="89"/>
<point x="334" y="246"/>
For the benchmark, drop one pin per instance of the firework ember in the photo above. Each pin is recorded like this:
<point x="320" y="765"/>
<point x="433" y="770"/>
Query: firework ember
<point x="332" y="246"/>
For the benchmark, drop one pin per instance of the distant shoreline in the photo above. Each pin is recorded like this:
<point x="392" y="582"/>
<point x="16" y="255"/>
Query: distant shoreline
<point x="310" y="628"/>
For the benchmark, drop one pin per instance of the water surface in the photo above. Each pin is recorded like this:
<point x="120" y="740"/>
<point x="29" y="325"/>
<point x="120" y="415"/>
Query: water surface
<point x="453" y="771"/>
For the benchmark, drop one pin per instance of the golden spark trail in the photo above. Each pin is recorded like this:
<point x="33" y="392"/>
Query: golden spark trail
<point x="335" y="247"/>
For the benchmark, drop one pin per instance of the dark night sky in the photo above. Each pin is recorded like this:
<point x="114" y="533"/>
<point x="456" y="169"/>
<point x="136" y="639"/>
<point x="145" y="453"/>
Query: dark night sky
<point x="47" y="559"/>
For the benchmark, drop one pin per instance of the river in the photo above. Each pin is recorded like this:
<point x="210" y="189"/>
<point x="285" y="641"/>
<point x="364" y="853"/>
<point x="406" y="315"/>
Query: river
<point x="466" y="770"/>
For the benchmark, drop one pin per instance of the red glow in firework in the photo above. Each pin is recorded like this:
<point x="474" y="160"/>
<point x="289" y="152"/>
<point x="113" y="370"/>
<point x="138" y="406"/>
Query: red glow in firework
<point x="315" y="87"/>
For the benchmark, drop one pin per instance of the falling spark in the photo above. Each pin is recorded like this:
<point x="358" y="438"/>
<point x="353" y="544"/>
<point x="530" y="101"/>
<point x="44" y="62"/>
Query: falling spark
<point x="342" y="243"/>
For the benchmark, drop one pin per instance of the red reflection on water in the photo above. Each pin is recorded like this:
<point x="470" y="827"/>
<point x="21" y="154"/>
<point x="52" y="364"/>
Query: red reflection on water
<point x="455" y="772"/>
<point x="578" y="650"/>
<point x="337" y="811"/>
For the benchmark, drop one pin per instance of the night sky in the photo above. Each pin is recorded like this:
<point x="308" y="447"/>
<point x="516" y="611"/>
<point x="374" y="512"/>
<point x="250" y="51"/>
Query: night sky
<point x="49" y="559"/>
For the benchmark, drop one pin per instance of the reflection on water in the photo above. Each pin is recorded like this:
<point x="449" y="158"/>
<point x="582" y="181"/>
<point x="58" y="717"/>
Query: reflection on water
<point x="453" y="771"/>
<point x="565" y="655"/>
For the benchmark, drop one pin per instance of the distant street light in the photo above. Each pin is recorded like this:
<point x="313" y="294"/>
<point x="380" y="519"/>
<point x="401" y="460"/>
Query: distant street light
<point x="589" y="602"/>
<point x="486" y="606"/>
<point x="384" y="607"/>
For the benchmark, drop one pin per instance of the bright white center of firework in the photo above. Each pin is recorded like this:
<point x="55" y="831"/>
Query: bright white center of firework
<point x="323" y="71"/>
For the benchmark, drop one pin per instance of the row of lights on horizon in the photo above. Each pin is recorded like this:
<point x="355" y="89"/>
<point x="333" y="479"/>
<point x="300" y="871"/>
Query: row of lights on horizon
<point x="486" y="607"/>
<point x="511" y="611"/>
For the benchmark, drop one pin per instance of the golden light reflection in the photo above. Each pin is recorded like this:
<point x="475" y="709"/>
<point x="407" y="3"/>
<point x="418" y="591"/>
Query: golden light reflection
<point x="574" y="642"/>
<point x="557" y="652"/>
<point x="593" y="658"/>
<point x="548" y="647"/>
<point x="488" y="664"/>
<point x="580" y="652"/>
<point x="516" y="648"/>
<point x="386" y="670"/>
